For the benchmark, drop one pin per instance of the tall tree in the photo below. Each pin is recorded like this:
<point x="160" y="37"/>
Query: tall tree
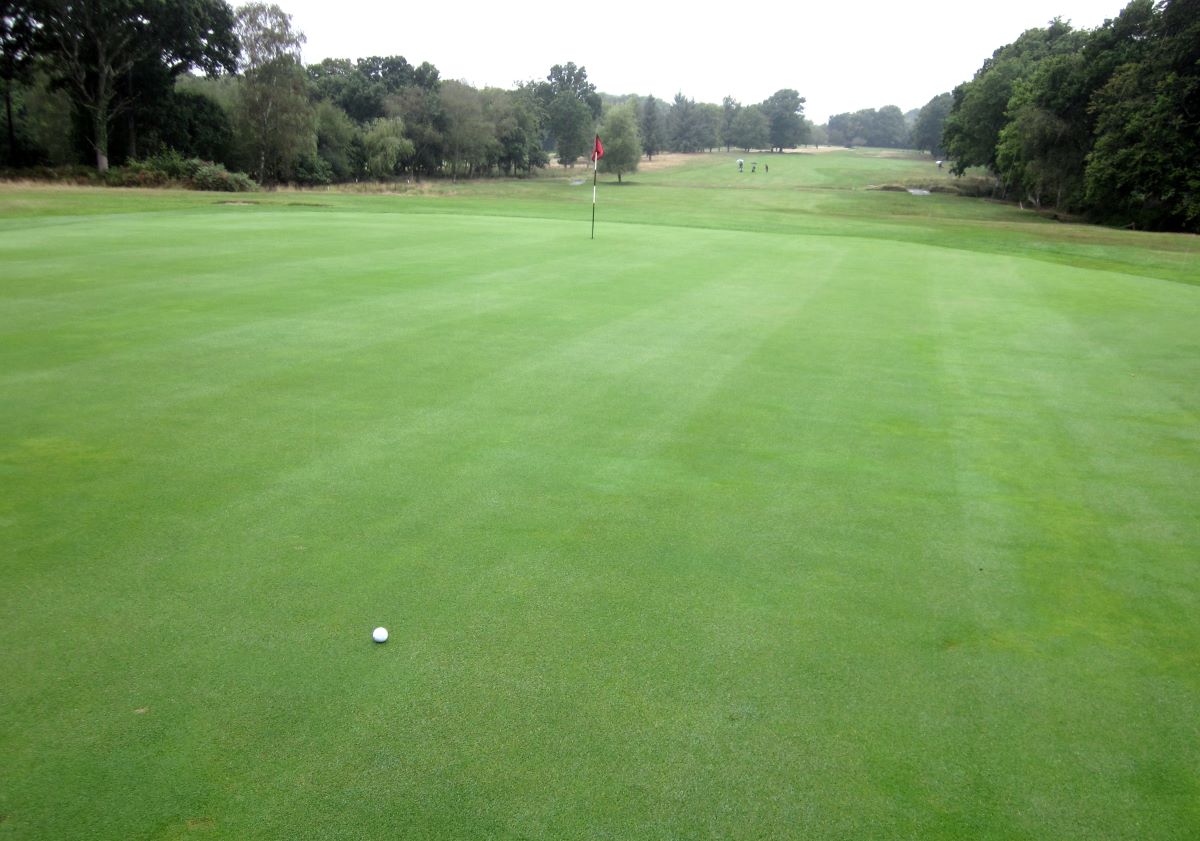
<point x="420" y="107"/>
<point x="927" y="132"/>
<point x="622" y="146"/>
<point x="1144" y="168"/>
<point x="469" y="138"/>
<point x="274" y="109"/>
<point x="688" y="129"/>
<point x="345" y="85"/>
<point x="650" y="122"/>
<point x="785" y="112"/>
<point x="712" y="116"/>
<point x="1041" y="150"/>
<point x="980" y="109"/>
<point x="889" y="130"/>
<point x="386" y="146"/>
<point x="339" y="142"/>
<point x="393" y="72"/>
<point x="751" y="129"/>
<point x="572" y="123"/>
<point x="730" y="108"/>
<point x="572" y="108"/>
<point x="92" y="46"/>
<point x="514" y="119"/>
<point x="16" y="53"/>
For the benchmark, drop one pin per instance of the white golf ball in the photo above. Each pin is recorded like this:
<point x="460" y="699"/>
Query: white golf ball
<point x="379" y="635"/>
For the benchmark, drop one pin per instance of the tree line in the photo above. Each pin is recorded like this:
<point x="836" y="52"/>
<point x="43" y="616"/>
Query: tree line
<point x="1102" y="122"/>
<point x="112" y="81"/>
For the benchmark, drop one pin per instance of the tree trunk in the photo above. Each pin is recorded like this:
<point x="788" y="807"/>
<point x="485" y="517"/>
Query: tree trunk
<point x="100" y="135"/>
<point x="12" y="135"/>
<point x="132" y="152"/>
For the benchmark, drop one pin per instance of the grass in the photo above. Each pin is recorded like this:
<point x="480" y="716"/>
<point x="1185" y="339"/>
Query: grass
<point x="782" y="509"/>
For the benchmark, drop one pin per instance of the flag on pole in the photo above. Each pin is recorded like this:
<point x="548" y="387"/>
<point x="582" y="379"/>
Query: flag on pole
<point x="597" y="154"/>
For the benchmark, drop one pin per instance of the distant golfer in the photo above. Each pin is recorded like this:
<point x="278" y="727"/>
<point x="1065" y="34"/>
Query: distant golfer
<point x="741" y="164"/>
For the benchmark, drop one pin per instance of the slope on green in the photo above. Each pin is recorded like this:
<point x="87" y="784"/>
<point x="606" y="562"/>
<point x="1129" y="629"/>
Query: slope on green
<point x="752" y="518"/>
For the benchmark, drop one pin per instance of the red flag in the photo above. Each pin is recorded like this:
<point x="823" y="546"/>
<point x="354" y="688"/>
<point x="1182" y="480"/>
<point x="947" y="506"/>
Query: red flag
<point x="598" y="152"/>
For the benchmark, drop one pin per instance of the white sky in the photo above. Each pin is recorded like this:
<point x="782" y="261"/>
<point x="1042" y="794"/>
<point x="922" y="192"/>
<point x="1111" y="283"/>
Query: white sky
<point x="842" y="56"/>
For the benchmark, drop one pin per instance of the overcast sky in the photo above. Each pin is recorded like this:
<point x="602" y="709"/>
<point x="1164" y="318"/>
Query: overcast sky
<point x="841" y="56"/>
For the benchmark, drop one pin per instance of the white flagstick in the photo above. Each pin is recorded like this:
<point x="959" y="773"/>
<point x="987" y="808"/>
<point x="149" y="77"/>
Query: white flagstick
<point x="595" y="169"/>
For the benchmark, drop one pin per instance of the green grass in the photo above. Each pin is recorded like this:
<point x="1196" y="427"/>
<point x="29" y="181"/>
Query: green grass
<point x="783" y="509"/>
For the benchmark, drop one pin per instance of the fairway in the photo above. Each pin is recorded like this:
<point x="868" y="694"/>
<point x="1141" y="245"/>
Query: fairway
<point x="783" y="509"/>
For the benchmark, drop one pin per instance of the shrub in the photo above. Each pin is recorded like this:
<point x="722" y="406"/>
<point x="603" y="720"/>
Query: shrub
<point x="313" y="171"/>
<point x="216" y="178"/>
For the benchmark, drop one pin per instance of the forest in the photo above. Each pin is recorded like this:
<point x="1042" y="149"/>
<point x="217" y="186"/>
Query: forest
<point x="1101" y="123"/>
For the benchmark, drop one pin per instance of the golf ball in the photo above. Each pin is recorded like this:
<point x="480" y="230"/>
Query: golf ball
<point x="379" y="635"/>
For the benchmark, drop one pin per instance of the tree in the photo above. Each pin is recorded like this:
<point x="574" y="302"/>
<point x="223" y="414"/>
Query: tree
<point x="927" y="132"/>
<point x="785" y="113"/>
<point x="751" y="129"/>
<point x="516" y="127"/>
<point x="92" y="45"/>
<point x="712" y="116"/>
<point x="420" y="108"/>
<point x="393" y="72"/>
<point x="688" y="129"/>
<point x="339" y="142"/>
<point x="886" y="128"/>
<point x="572" y="123"/>
<point x="889" y="130"/>
<point x="572" y="107"/>
<point x="730" y="108"/>
<point x="1040" y="152"/>
<point x="980" y="108"/>
<point x="349" y="88"/>
<point x="386" y="147"/>
<point x="193" y="125"/>
<point x="17" y="29"/>
<point x="275" y="115"/>
<point x="622" y="146"/>
<point x="846" y="130"/>
<point x="1143" y="168"/>
<point x="650" y="121"/>
<point x="572" y="80"/>
<point x="818" y="135"/>
<point x="468" y="136"/>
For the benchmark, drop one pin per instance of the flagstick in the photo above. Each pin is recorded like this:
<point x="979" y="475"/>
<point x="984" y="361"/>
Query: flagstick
<point x="595" y="169"/>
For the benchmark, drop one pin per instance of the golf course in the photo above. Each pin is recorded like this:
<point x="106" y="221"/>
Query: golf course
<point x="783" y="508"/>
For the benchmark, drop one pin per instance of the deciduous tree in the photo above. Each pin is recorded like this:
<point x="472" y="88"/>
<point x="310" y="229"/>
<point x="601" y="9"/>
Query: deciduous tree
<point x="927" y="132"/>
<point x="785" y="113"/>
<point x="751" y="129"/>
<point x="275" y="115"/>
<point x="92" y="46"/>
<point x="622" y="146"/>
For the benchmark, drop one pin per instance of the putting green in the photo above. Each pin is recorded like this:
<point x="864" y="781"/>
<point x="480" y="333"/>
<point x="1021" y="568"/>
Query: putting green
<point x="789" y="525"/>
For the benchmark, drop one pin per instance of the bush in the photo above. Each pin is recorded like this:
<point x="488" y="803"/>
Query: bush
<point x="135" y="174"/>
<point x="77" y="174"/>
<point x="171" y="168"/>
<point x="165" y="169"/>
<point x="174" y="165"/>
<point x="216" y="178"/>
<point x="313" y="171"/>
